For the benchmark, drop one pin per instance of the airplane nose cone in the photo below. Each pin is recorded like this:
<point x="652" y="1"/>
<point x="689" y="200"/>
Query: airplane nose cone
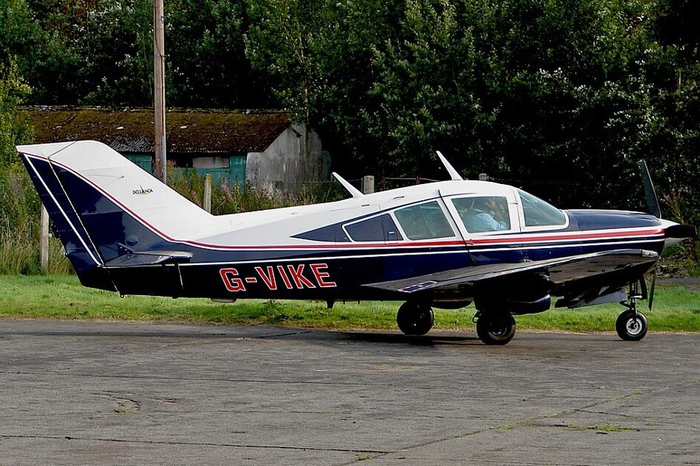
<point x="676" y="232"/>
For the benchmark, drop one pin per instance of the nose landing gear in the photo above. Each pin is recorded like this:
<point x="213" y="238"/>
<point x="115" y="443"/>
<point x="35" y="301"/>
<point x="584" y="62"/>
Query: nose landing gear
<point x="632" y="325"/>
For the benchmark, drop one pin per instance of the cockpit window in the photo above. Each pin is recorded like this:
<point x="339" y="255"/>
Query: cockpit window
<point x="424" y="221"/>
<point x="539" y="213"/>
<point x="483" y="213"/>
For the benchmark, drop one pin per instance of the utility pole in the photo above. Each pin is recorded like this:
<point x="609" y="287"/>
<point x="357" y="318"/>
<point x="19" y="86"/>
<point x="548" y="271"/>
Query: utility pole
<point x="160" y="161"/>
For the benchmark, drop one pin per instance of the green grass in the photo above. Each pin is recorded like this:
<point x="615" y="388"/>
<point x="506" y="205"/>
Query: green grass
<point x="676" y="309"/>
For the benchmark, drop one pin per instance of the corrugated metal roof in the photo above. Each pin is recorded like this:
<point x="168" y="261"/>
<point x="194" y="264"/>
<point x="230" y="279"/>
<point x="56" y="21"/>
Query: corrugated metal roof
<point x="188" y="131"/>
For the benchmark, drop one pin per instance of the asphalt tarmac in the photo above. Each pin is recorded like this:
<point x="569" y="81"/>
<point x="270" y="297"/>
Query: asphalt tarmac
<point x="121" y="394"/>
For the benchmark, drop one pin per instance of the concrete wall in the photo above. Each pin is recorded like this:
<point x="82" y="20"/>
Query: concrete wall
<point x="283" y="165"/>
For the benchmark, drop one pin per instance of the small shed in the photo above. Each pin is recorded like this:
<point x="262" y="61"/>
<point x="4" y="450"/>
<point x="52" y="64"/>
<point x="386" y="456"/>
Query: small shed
<point x="263" y="148"/>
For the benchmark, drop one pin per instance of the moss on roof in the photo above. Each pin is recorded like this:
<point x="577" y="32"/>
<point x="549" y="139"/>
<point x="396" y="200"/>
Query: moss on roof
<point x="188" y="131"/>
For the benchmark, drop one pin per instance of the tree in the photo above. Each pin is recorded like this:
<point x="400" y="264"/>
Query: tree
<point x="207" y="65"/>
<point x="426" y="91"/>
<point x="677" y="143"/>
<point x="14" y="128"/>
<point x="550" y="95"/>
<point x="317" y="58"/>
<point x="576" y="108"/>
<point x="99" y="51"/>
<point x="562" y="98"/>
<point x="287" y="39"/>
<point x="18" y="33"/>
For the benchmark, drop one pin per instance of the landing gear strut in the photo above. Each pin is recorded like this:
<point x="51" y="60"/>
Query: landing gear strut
<point x="632" y="325"/>
<point x="415" y="318"/>
<point x="495" y="328"/>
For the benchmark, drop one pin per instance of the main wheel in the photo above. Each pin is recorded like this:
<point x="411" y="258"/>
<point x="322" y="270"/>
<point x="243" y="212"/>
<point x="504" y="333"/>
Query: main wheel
<point x="631" y="325"/>
<point x="414" y="318"/>
<point x="495" y="328"/>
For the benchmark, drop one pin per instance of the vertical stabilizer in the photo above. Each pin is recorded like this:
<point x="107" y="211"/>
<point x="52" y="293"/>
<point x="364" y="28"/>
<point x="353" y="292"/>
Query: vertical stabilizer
<point x="101" y="204"/>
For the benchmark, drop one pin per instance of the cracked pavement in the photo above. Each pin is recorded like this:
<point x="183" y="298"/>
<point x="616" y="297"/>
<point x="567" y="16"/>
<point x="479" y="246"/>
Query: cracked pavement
<point x="130" y="393"/>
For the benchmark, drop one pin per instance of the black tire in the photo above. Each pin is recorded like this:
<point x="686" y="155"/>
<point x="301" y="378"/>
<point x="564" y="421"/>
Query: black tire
<point x="414" y="318"/>
<point x="631" y="325"/>
<point x="495" y="328"/>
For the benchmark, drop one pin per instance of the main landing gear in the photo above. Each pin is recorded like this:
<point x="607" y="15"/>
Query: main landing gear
<point x="415" y="318"/>
<point x="495" y="328"/>
<point x="632" y="325"/>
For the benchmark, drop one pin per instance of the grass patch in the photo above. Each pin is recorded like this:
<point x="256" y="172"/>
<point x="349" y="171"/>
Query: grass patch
<point x="523" y="422"/>
<point x="607" y="428"/>
<point x="676" y="309"/>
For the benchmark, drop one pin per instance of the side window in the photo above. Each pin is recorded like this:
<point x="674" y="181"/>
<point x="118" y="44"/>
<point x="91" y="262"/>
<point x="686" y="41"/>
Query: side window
<point x="380" y="228"/>
<point x="484" y="213"/>
<point x="424" y="221"/>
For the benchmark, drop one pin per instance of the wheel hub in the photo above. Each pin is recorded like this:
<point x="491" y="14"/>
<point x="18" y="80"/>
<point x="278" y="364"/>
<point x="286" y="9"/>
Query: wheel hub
<point x="634" y="326"/>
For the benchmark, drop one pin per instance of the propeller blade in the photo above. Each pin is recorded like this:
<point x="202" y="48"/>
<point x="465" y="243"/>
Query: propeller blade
<point x="653" y="286"/>
<point x="649" y="191"/>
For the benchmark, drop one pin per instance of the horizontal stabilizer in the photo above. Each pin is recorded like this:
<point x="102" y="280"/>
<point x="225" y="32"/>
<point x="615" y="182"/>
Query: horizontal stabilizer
<point x="137" y="259"/>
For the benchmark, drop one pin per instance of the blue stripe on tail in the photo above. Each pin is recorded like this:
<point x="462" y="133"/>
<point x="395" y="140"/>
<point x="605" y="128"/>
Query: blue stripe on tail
<point x="67" y="226"/>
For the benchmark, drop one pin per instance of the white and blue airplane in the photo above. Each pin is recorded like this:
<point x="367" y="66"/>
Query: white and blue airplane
<point x="444" y="244"/>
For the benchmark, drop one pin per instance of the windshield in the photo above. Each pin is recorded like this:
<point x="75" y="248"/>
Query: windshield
<point x="540" y="213"/>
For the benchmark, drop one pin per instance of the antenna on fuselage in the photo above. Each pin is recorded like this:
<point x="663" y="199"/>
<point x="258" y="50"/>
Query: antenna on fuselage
<point x="454" y="174"/>
<point x="346" y="184"/>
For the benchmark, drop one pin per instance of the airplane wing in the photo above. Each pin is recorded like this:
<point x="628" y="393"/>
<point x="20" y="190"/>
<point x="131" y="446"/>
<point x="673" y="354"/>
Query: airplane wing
<point x="561" y="270"/>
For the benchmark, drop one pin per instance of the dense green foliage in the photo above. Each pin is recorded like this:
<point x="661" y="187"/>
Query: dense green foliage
<point x="561" y="98"/>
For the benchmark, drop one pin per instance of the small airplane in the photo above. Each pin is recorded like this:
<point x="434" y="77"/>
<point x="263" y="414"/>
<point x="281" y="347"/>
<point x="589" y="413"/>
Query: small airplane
<point x="443" y="244"/>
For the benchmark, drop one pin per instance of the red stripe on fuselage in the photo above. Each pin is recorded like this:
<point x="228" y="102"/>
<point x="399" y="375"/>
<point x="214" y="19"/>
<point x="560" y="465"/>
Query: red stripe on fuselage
<point x="569" y="236"/>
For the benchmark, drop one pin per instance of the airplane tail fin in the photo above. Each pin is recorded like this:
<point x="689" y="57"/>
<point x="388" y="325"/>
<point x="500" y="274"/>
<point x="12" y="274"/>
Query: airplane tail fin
<point x="103" y="206"/>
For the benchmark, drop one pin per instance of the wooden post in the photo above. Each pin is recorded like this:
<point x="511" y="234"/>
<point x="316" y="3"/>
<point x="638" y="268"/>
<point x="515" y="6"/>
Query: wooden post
<point x="207" y="193"/>
<point x="367" y="184"/>
<point x="44" y="242"/>
<point x="160" y="160"/>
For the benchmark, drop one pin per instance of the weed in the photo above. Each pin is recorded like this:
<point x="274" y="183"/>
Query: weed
<point x="607" y="428"/>
<point x="523" y="422"/>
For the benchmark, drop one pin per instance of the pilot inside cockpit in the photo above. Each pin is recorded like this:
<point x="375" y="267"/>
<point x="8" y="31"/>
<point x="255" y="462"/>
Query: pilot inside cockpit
<point x="481" y="214"/>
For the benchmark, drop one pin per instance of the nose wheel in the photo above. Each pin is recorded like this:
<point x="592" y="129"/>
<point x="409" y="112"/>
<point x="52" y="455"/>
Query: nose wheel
<point x="415" y="318"/>
<point x="632" y="325"/>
